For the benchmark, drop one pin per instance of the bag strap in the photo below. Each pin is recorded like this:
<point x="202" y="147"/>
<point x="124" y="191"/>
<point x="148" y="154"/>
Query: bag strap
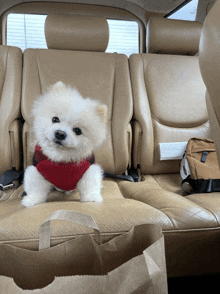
<point x="66" y="215"/>
<point x="204" y="155"/>
<point x="184" y="167"/>
<point x="188" y="181"/>
<point x="201" y="185"/>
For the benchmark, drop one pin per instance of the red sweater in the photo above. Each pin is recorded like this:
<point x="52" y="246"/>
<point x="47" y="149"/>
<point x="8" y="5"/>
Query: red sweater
<point x="63" y="175"/>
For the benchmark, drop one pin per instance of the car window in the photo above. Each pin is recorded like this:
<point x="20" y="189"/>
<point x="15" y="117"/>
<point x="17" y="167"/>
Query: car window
<point x="187" y="12"/>
<point x="27" y="31"/>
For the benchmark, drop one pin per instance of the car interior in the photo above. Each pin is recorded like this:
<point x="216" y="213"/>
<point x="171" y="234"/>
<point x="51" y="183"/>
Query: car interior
<point x="154" y="96"/>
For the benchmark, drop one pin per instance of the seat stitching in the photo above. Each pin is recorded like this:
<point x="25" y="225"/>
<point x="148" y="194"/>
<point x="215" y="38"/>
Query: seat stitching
<point x="113" y="102"/>
<point x="145" y="81"/>
<point x="5" y="71"/>
<point x="197" y="126"/>
<point x="149" y="106"/>
<point x="199" y="206"/>
<point x="157" y="182"/>
<point x="144" y="203"/>
<point x="186" y="231"/>
<point x="38" y="71"/>
<point x="165" y="208"/>
<point x="205" y="209"/>
<point x="168" y="217"/>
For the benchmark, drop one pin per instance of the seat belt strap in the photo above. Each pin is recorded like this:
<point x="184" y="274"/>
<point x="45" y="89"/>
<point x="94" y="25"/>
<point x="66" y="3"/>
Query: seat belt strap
<point x="122" y="177"/>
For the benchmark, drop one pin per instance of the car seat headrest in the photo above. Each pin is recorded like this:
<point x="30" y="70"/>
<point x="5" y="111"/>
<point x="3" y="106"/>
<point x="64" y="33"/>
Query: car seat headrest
<point x="79" y="33"/>
<point x="170" y="36"/>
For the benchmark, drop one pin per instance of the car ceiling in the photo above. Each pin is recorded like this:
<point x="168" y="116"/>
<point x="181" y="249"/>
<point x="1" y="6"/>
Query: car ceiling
<point x="158" y="6"/>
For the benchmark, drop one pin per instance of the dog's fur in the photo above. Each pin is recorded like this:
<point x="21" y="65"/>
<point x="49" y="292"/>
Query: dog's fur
<point x="73" y="111"/>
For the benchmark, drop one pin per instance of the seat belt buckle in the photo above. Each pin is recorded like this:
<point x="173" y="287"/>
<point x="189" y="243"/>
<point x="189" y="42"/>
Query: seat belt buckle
<point x="9" y="178"/>
<point x="6" y="187"/>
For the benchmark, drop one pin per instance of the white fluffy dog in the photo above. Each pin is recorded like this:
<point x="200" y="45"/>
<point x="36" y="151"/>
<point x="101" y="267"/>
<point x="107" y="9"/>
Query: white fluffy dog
<point x="67" y="128"/>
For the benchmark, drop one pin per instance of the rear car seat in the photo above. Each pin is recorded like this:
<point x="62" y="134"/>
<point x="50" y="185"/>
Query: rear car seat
<point x="209" y="61"/>
<point x="169" y="106"/>
<point x="97" y="75"/>
<point x="10" y="97"/>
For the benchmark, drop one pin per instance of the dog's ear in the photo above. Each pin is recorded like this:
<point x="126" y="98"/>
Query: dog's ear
<point x="59" y="86"/>
<point x="102" y="111"/>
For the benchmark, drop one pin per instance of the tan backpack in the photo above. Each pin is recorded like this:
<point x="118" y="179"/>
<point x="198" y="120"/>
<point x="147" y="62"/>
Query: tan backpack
<point x="199" y="166"/>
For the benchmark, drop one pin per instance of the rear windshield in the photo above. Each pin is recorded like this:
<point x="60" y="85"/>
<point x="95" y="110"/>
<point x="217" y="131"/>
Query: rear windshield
<point x="27" y="31"/>
<point x="187" y="12"/>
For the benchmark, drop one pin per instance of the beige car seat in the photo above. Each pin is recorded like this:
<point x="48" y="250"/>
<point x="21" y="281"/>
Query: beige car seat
<point x="10" y="97"/>
<point x="97" y="75"/>
<point x="169" y="107"/>
<point x="209" y="60"/>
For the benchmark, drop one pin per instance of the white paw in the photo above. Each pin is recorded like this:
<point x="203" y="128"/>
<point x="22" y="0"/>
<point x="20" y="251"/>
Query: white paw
<point x="92" y="197"/>
<point x="30" y="201"/>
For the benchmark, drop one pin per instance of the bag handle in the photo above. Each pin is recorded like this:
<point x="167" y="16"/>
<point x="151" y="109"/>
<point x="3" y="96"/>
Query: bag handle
<point x="66" y="215"/>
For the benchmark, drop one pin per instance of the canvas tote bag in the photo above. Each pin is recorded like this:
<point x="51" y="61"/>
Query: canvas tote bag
<point x="130" y="263"/>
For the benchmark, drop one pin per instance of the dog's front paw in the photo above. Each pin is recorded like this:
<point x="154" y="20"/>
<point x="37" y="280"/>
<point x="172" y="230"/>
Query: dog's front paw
<point x="92" y="197"/>
<point x="30" y="201"/>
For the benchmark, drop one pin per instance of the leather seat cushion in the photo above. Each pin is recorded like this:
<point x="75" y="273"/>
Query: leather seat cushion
<point x="163" y="193"/>
<point x="115" y="215"/>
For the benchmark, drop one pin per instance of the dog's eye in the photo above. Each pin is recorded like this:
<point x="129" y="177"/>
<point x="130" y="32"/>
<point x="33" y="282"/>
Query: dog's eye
<point x="55" y="120"/>
<point x="77" y="131"/>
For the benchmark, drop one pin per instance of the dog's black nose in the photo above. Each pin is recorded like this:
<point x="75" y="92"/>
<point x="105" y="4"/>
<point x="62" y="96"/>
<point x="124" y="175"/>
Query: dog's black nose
<point x="60" y="135"/>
